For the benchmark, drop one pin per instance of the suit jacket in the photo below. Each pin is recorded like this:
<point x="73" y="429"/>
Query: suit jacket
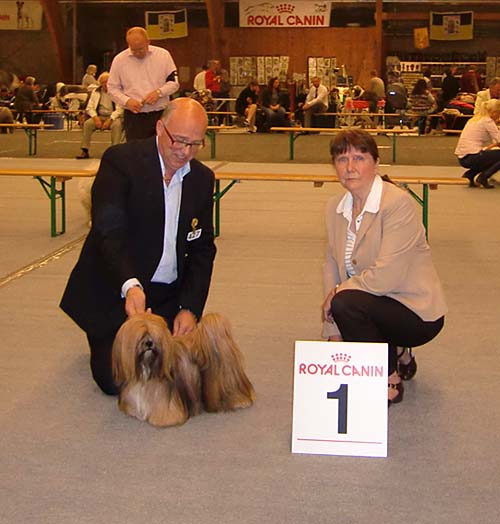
<point x="126" y="238"/>
<point x="391" y="256"/>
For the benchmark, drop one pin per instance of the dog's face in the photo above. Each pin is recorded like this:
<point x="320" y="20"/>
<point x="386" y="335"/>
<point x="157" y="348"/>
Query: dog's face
<point x="141" y="348"/>
<point x="149" y="360"/>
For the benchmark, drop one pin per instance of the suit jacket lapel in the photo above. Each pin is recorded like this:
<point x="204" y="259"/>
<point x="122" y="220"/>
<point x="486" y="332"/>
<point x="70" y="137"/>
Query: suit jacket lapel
<point x="153" y="194"/>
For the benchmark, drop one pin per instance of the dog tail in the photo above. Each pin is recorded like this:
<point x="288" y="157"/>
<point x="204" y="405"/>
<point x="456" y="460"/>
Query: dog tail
<point x="225" y="385"/>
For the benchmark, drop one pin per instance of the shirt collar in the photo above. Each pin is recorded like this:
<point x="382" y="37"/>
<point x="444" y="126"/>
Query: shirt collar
<point x="372" y="204"/>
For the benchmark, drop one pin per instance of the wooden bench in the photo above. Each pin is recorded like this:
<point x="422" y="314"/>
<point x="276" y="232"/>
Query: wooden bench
<point x="31" y="132"/>
<point x="318" y="174"/>
<point x="53" y="173"/>
<point x="68" y="114"/>
<point x="356" y="115"/>
<point x="212" y="133"/>
<point x="295" y="132"/>
<point x="226" y="116"/>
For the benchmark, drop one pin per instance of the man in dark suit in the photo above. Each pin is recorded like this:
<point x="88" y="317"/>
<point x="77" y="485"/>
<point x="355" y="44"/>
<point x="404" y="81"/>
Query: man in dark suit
<point x="151" y="245"/>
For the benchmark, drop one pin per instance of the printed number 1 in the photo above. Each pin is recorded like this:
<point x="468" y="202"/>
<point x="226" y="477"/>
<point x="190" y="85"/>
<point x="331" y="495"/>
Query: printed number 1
<point x="341" y="395"/>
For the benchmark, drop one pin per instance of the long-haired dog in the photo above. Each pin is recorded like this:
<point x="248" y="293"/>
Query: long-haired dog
<point x="165" y="380"/>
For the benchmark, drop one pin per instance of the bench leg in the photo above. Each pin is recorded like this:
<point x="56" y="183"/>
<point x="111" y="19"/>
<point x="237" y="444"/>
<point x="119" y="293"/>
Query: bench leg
<point x="54" y="194"/>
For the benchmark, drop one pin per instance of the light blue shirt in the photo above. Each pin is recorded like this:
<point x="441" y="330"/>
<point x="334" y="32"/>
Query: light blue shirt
<point x="166" y="272"/>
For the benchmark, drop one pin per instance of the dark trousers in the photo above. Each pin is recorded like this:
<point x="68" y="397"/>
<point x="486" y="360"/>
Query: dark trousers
<point x="363" y="317"/>
<point x="140" y="125"/>
<point x="162" y="299"/>
<point x="486" y="162"/>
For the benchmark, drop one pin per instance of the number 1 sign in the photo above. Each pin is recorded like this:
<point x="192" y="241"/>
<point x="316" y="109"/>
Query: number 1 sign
<point x="340" y="398"/>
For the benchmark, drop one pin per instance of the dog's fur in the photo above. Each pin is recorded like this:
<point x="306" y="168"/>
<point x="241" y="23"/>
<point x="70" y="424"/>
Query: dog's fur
<point x="165" y="380"/>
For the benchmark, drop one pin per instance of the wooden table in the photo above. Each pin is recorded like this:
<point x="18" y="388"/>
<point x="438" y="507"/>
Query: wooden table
<point x="31" y="132"/>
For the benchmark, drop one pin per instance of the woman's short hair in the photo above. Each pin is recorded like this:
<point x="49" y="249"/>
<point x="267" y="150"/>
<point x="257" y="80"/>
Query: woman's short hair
<point x="492" y="105"/>
<point x="353" y="139"/>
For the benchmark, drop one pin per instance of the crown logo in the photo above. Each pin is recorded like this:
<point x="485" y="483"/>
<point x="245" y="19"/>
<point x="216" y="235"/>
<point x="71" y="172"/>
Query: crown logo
<point x="285" y="8"/>
<point x="341" y="357"/>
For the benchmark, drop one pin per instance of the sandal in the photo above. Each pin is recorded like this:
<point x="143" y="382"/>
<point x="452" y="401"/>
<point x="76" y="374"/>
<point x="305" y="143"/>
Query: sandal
<point x="407" y="366"/>
<point x="395" y="390"/>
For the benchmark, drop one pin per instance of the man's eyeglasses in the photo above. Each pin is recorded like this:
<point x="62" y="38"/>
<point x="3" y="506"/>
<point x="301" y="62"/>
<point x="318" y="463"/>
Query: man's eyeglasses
<point x="180" y="143"/>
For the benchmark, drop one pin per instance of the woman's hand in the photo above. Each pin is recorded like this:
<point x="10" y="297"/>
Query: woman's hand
<point x="327" y="306"/>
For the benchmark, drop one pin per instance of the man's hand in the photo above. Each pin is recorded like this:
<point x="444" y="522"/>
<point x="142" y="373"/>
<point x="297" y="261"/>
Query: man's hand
<point x="151" y="98"/>
<point x="97" y="122"/>
<point x="133" y="105"/>
<point x="135" y="301"/>
<point x="184" y="323"/>
<point x="106" y="124"/>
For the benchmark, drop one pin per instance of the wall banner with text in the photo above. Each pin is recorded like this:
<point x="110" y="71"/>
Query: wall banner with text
<point x="166" y="24"/>
<point x="291" y="13"/>
<point x="21" y="15"/>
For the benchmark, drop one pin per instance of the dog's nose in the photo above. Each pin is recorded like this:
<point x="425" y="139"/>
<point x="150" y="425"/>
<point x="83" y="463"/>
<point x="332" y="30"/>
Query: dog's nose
<point x="149" y="344"/>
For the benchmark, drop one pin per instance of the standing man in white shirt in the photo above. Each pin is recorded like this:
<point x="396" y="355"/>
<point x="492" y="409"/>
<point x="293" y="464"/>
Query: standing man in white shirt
<point x="493" y="91"/>
<point x="199" y="82"/>
<point x="141" y="79"/>
<point x="316" y="100"/>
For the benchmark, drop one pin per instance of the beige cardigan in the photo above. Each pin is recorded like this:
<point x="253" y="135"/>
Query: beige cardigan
<point x="391" y="256"/>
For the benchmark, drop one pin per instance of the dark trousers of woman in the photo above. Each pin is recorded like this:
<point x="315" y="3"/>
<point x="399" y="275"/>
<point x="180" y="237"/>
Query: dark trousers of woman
<point x="486" y="162"/>
<point x="140" y="125"/>
<point x="362" y="317"/>
<point x="161" y="298"/>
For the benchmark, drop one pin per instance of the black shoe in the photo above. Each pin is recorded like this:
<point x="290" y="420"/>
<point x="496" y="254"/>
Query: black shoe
<point x="407" y="371"/>
<point x="470" y="175"/>
<point x="483" y="182"/>
<point x="82" y="155"/>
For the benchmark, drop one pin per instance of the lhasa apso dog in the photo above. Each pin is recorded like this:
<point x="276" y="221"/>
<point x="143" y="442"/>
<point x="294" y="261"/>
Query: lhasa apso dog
<point x="165" y="380"/>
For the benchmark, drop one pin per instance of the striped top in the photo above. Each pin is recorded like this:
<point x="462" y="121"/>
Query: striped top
<point x="349" y="246"/>
<point x="372" y="205"/>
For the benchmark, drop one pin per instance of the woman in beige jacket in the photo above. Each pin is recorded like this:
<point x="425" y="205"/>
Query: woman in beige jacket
<point x="379" y="280"/>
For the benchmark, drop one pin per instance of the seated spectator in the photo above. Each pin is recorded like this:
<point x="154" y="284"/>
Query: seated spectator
<point x="6" y="117"/>
<point x="273" y="105"/>
<point x="470" y="81"/>
<point x="199" y="82"/>
<point x="450" y="87"/>
<point x="104" y="114"/>
<point x="316" y="101"/>
<point x="88" y="81"/>
<point x="493" y="91"/>
<point x="26" y="100"/>
<point x="478" y="145"/>
<point x="422" y="103"/>
<point x="246" y="104"/>
<point x="376" y="85"/>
